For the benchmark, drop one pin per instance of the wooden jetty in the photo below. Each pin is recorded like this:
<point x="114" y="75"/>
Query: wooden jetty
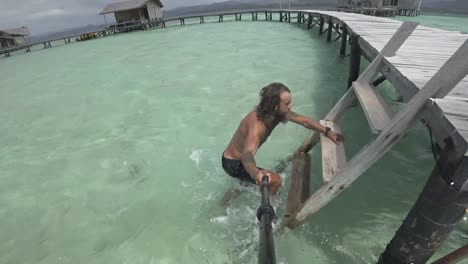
<point x="109" y="30"/>
<point x="428" y="68"/>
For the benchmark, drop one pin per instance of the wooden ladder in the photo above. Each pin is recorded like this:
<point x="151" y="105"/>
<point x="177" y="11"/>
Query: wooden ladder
<point x="378" y="113"/>
<point x="389" y="127"/>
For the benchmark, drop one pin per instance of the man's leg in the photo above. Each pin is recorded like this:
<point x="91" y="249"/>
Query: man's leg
<point x="232" y="193"/>
<point x="229" y="195"/>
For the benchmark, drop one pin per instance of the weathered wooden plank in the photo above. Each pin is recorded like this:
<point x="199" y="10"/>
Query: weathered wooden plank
<point x="333" y="155"/>
<point x="389" y="50"/>
<point x="456" y="112"/>
<point x="375" y="108"/>
<point x="461" y="92"/>
<point x="299" y="188"/>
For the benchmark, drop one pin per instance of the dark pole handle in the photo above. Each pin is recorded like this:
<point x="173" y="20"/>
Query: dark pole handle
<point x="265" y="214"/>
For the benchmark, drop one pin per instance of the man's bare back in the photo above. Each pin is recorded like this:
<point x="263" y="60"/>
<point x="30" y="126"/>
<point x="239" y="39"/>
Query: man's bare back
<point x="234" y="149"/>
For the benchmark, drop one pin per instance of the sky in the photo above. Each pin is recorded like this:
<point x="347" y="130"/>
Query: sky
<point x="43" y="16"/>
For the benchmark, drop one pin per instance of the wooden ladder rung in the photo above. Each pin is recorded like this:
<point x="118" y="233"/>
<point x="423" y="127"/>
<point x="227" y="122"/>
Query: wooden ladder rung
<point x="333" y="155"/>
<point x="375" y="108"/>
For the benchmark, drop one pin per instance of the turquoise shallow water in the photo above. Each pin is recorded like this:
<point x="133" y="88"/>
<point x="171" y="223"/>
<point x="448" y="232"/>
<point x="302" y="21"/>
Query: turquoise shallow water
<point x="110" y="150"/>
<point x="442" y="21"/>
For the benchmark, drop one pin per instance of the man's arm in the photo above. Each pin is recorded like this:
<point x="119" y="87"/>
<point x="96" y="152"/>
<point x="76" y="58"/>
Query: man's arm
<point x="314" y="125"/>
<point x="306" y="122"/>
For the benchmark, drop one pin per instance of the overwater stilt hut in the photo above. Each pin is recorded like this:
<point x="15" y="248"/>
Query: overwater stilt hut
<point x="134" y="11"/>
<point x="9" y="38"/>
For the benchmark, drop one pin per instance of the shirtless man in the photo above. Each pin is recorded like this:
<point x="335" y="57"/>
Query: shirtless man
<point x="274" y="107"/>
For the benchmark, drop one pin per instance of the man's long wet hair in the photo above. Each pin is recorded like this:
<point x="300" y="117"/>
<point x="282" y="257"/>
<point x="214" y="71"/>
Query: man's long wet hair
<point x="270" y="99"/>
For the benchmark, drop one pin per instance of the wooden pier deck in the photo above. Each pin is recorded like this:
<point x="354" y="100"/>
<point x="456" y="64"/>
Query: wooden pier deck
<point x="419" y="58"/>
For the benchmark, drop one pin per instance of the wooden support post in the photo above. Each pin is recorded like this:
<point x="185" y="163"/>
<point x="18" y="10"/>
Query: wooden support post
<point x="344" y="41"/>
<point x="439" y="208"/>
<point x="220" y="18"/>
<point x="321" y="25"/>
<point x="330" y="29"/>
<point x="355" y="60"/>
<point x="314" y="138"/>
<point x="309" y="21"/>
<point x="281" y="16"/>
<point x="316" y="22"/>
<point x="254" y="16"/>
<point x="299" y="18"/>
<point x="289" y="17"/>
<point x="299" y="189"/>
<point x="202" y="20"/>
<point x="163" y="24"/>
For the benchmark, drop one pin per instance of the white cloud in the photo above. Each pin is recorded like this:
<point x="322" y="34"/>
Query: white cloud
<point x="47" y="13"/>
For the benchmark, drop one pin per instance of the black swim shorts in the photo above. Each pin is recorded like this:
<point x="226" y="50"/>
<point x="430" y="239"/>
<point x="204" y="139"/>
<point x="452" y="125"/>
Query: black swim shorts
<point x="235" y="169"/>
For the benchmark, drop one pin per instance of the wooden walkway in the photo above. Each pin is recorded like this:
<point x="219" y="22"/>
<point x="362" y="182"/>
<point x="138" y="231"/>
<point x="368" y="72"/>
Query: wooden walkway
<point x="109" y="30"/>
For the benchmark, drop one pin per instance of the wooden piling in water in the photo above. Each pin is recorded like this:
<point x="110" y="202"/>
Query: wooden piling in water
<point x="254" y="16"/>
<point x="309" y="21"/>
<point x="439" y="208"/>
<point x="329" y="29"/>
<point x="344" y="41"/>
<point x="299" y="188"/>
<point x="355" y="60"/>
<point x="321" y="25"/>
